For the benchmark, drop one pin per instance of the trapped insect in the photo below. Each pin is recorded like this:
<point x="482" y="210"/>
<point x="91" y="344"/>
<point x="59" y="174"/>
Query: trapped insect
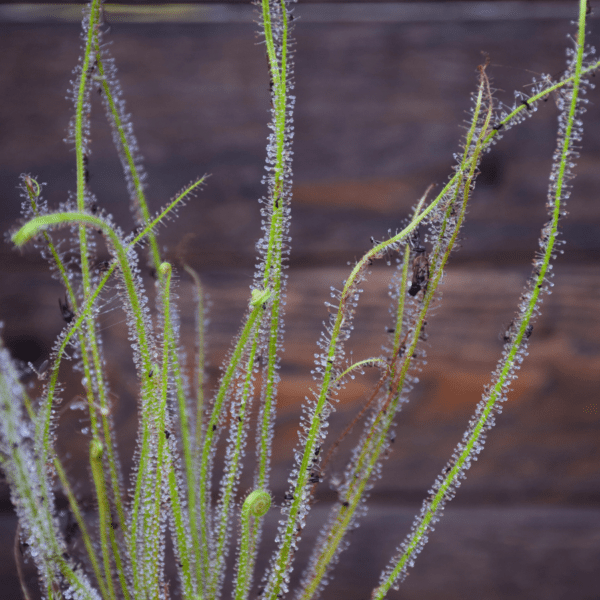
<point x="420" y="272"/>
<point x="65" y="310"/>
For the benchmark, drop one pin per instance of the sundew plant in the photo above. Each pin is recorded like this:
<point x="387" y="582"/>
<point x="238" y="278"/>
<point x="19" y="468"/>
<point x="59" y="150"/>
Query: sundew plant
<point x="169" y="492"/>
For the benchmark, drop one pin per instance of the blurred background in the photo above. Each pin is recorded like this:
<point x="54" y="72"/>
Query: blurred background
<point x="382" y="93"/>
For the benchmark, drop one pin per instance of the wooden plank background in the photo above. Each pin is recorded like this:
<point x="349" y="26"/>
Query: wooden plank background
<point x="380" y="111"/>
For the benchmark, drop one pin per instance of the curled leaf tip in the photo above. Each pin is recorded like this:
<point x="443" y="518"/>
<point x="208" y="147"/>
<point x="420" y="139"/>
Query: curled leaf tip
<point x="26" y="233"/>
<point x="164" y="270"/>
<point x="96" y="449"/>
<point x="35" y="226"/>
<point x="257" y="503"/>
<point x="33" y="187"/>
<point x="259" y="297"/>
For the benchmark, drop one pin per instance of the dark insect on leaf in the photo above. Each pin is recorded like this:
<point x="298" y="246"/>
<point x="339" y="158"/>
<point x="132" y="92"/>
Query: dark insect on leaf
<point x="508" y="333"/>
<point x="43" y="367"/>
<point x="288" y="496"/>
<point x="103" y="266"/>
<point x="23" y="546"/>
<point x="65" y="310"/>
<point x="71" y="530"/>
<point x="86" y="172"/>
<point x="528" y="331"/>
<point x="135" y="232"/>
<point x="314" y="478"/>
<point x="420" y="275"/>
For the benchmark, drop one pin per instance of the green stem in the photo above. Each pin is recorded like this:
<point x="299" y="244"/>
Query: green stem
<point x="273" y="261"/>
<point x="91" y="341"/>
<point x="193" y="474"/>
<point x="254" y="508"/>
<point x="507" y="365"/>
<point x="82" y="527"/>
<point x="103" y="511"/>
<point x="233" y="453"/>
<point x="31" y="229"/>
<point x="128" y="158"/>
<point x="154" y="543"/>
<point x="374" y="443"/>
<point x="258" y="299"/>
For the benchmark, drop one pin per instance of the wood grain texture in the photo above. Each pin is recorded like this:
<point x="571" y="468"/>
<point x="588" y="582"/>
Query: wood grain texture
<point x="380" y="109"/>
